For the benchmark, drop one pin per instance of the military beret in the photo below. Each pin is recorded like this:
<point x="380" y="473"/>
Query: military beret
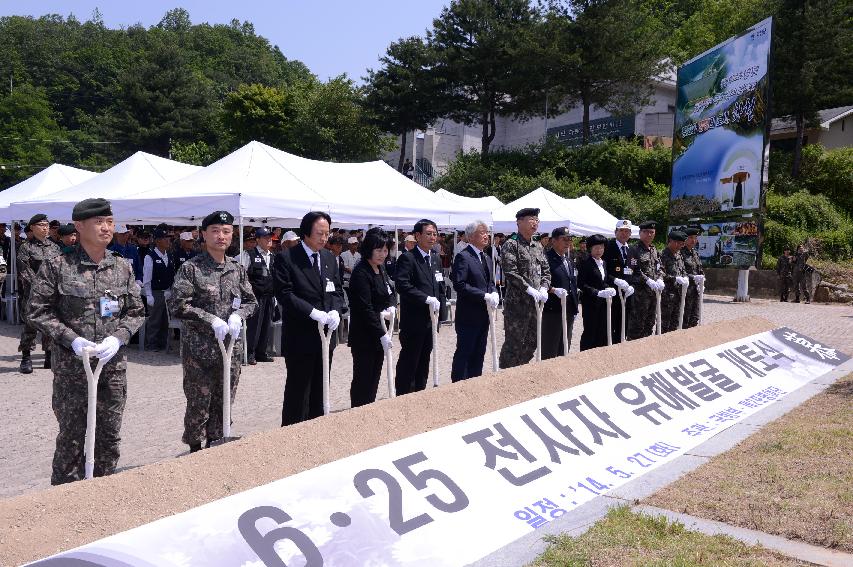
<point x="560" y="231"/>
<point x="692" y="231"/>
<point x="649" y="224"/>
<point x="88" y="208"/>
<point x="678" y="236"/>
<point x="66" y="229"/>
<point x="262" y="231"/>
<point x="595" y="239"/>
<point x="217" y="217"/>
<point x="36" y="219"/>
<point x="527" y="212"/>
<point x="54" y="224"/>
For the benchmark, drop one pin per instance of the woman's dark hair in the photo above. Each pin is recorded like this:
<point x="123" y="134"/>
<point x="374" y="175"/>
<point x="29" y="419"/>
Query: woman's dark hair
<point x="308" y="222"/>
<point x="374" y="239"/>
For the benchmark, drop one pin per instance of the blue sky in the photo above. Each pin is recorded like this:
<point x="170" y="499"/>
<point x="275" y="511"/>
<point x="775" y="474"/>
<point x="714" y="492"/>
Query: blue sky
<point x="330" y="36"/>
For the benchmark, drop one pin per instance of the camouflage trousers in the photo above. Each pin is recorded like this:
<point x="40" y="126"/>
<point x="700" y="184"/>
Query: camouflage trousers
<point x="70" y="404"/>
<point x="641" y="314"/>
<point x="519" y="337"/>
<point x="29" y="332"/>
<point x="670" y="303"/>
<point x="203" y="389"/>
<point x="691" y="307"/>
<point x="802" y="282"/>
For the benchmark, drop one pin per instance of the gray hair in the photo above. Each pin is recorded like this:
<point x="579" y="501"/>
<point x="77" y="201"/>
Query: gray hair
<point x="472" y="227"/>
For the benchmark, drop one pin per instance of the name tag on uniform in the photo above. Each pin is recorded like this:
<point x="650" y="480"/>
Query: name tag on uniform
<point x="330" y="285"/>
<point x="258" y="260"/>
<point x="439" y="277"/>
<point x="158" y="261"/>
<point x="236" y="303"/>
<point x="388" y="287"/>
<point x="109" y="307"/>
<point x="628" y="271"/>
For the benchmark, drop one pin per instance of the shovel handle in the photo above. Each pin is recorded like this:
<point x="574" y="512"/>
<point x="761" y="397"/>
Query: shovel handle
<point x="565" y="326"/>
<point x="540" y="305"/>
<point x="91" y="408"/>
<point x="609" y="301"/>
<point x="622" y="298"/>
<point x="325" y="338"/>
<point x="388" y="323"/>
<point x="226" y="384"/>
<point x="433" y="315"/>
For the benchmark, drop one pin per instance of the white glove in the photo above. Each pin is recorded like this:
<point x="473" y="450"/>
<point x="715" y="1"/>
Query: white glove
<point x="78" y="344"/>
<point x="620" y="283"/>
<point x="235" y="325"/>
<point x="150" y="300"/>
<point x="533" y="293"/>
<point x="492" y="300"/>
<point x="333" y="319"/>
<point x="661" y="285"/>
<point x="653" y="285"/>
<point x="699" y="279"/>
<point x="108" y="348"/>
<point x="389" y="313"/>
<point x="543" y="294"/>
<point x="434" y="304"/>
<point x="220" y="328"/>
<point x="629" y="292"/>
<point x="386" y="342"/>
<point x="560" y="292"/>
<point x="167" y="294"/>
<point x="319" y="316"/>
<point x="607" y="292"/>
<point x="682" y="280"/>
<point x="139" y="283"/>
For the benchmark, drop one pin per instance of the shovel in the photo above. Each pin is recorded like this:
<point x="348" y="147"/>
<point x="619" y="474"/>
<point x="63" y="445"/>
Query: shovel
<point x="492" y="339"/>
<point x="565" y="326"/>
<point x="388" y="323"/>
<point x="433" y="315"/>
<point x="609" y="320"/>
<point x="622" y="299"/>
<point x="539" y="306"/>
<point x="681" y="305"/>
<point x="226" y="386"/>
<point x="91" y="409"/>
<point x="657" y="312"/>
<point x="325" y="338"/>
<point x="701" y="300"/>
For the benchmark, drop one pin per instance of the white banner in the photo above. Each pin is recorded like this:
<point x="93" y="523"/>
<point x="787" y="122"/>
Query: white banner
<point x="455" y="494"/>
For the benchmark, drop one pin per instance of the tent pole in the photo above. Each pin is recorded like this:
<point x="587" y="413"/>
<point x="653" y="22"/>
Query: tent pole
<point x="239" y="257"/>
<point x="13" y="269"/>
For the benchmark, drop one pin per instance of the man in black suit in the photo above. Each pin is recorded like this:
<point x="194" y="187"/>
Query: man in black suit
<point x="475" y="294"/>
<point x="618" y="272"/>
<point x="307" y="284"/>
<point x="563" y="284"/>
<point x="420" y="284"/>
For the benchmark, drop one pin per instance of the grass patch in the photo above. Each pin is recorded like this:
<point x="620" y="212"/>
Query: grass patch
<point x="627" y="538"/>
<point x="794" y="478"/>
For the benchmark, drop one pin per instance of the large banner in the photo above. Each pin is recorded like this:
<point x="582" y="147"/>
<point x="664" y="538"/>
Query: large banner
<point x="720" y="143"/>
<point x="453" y="495"/>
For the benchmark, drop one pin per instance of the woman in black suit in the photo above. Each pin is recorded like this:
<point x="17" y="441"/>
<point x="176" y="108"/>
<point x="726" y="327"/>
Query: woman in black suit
<point x="370" y="295"/>
<point x="594" y="287"/>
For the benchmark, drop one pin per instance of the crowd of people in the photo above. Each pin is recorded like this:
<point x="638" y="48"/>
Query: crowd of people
<point x="89" y="287"/>
<point x="794" y="271"/>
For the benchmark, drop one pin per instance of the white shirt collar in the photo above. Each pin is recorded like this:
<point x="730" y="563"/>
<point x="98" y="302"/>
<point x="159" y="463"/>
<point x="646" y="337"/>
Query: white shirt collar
<point x="163" y="255"/>
<point x="309" y="251"/>
<point x="262" y="251"/>
<point x="423" y="254"/>
<point x="476" y="250"/>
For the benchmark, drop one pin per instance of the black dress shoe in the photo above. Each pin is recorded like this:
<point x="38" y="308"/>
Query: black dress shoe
<point x="264" y="359"/>
<point x="26" y="366"/>
<point x="47" y="360"/>
<point x="195" y="447"/>
<point x="252" y="361"/>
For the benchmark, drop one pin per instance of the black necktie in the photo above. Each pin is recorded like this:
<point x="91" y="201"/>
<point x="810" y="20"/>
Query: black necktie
<point x="624" y="254"/>
<point x="426" y="259"/>
<point x="315" y="261"/>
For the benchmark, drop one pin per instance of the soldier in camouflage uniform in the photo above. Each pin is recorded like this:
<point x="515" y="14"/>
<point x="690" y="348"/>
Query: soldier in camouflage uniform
<point x="212" y="296"/>
<point x="527" y="278"/>
<point x="30" y="256"/>
<point x="87" y="297"/>
<point x="784" y="270"/>
<point x="801" y="273"/>
<point x="647" y="277"/>
<point x="693" y="267"/>
<point x="674" y="277"/>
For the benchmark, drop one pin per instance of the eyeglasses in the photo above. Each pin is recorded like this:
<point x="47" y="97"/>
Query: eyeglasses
<point x="41" y="224"/>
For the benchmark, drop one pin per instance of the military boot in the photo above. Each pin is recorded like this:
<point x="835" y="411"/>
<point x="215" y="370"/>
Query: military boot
<point x="47" y="360"/>
<point x="26" y="363"/>
<point x="195" y="447"/>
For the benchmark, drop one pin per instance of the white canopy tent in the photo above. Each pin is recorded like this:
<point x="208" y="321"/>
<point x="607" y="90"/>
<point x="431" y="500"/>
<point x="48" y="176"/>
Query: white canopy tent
<point x="139" y="171"/>
<point x="49" y="180"/>
<point x="489" y="203"/>
<point x="582" y="215"/>
<point x="259" y="184"/>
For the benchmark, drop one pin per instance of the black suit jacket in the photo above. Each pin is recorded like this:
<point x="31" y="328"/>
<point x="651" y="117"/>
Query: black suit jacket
<point x="299" y="289"/>
<point x="472" y="280"/>
<point x="415" y="282"/>
<point x="564" y="279"/>
<point x="368" y="297"/>
<point x="590" y="283"/>
<point x="613" y="263"/>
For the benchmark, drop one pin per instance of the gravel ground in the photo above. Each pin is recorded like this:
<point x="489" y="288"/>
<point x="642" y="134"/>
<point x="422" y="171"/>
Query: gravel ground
<point x="155" y="405"/>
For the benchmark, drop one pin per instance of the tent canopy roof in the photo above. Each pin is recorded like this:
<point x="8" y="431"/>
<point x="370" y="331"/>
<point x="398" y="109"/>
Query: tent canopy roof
<point x="46" y="182"/>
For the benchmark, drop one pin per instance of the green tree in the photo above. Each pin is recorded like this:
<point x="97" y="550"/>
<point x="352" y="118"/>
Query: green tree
<point x="401" y="95"/>
<point x="601" y="53"/>
<point x="30" y="133"/>
<point x="481" y="49"/>
<point x="260" y="113"/>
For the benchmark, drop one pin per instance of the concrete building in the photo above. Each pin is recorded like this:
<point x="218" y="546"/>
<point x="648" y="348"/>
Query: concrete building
<point x="834" y="130"/>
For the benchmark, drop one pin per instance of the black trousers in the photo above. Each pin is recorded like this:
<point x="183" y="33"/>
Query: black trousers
<point x="470" y="351"/>
<point x="303" y="388"/>
<point x="259" y="327"/>
<point x="367" y="365"/>
<point x="552" y="333"/>
<point x="413" y="364"/>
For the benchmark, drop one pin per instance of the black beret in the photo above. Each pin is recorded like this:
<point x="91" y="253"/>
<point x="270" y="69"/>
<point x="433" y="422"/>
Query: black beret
<point x="36" y="219"/>
<point x="649" y="224"/>
<point x="595" y="239"/>
<point x="88" y="208"/>
<point x="66" y="229"/>
<point x="262" y="231"/>
<point x="678" y="236"/>
<point x="54" y="223"/>
<point x="143" y="234"/>
<point x="528" y="212"/>
<point x="217" y="217"/>
<point x="560" y="231"/>
<point x="692" y="231"/>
